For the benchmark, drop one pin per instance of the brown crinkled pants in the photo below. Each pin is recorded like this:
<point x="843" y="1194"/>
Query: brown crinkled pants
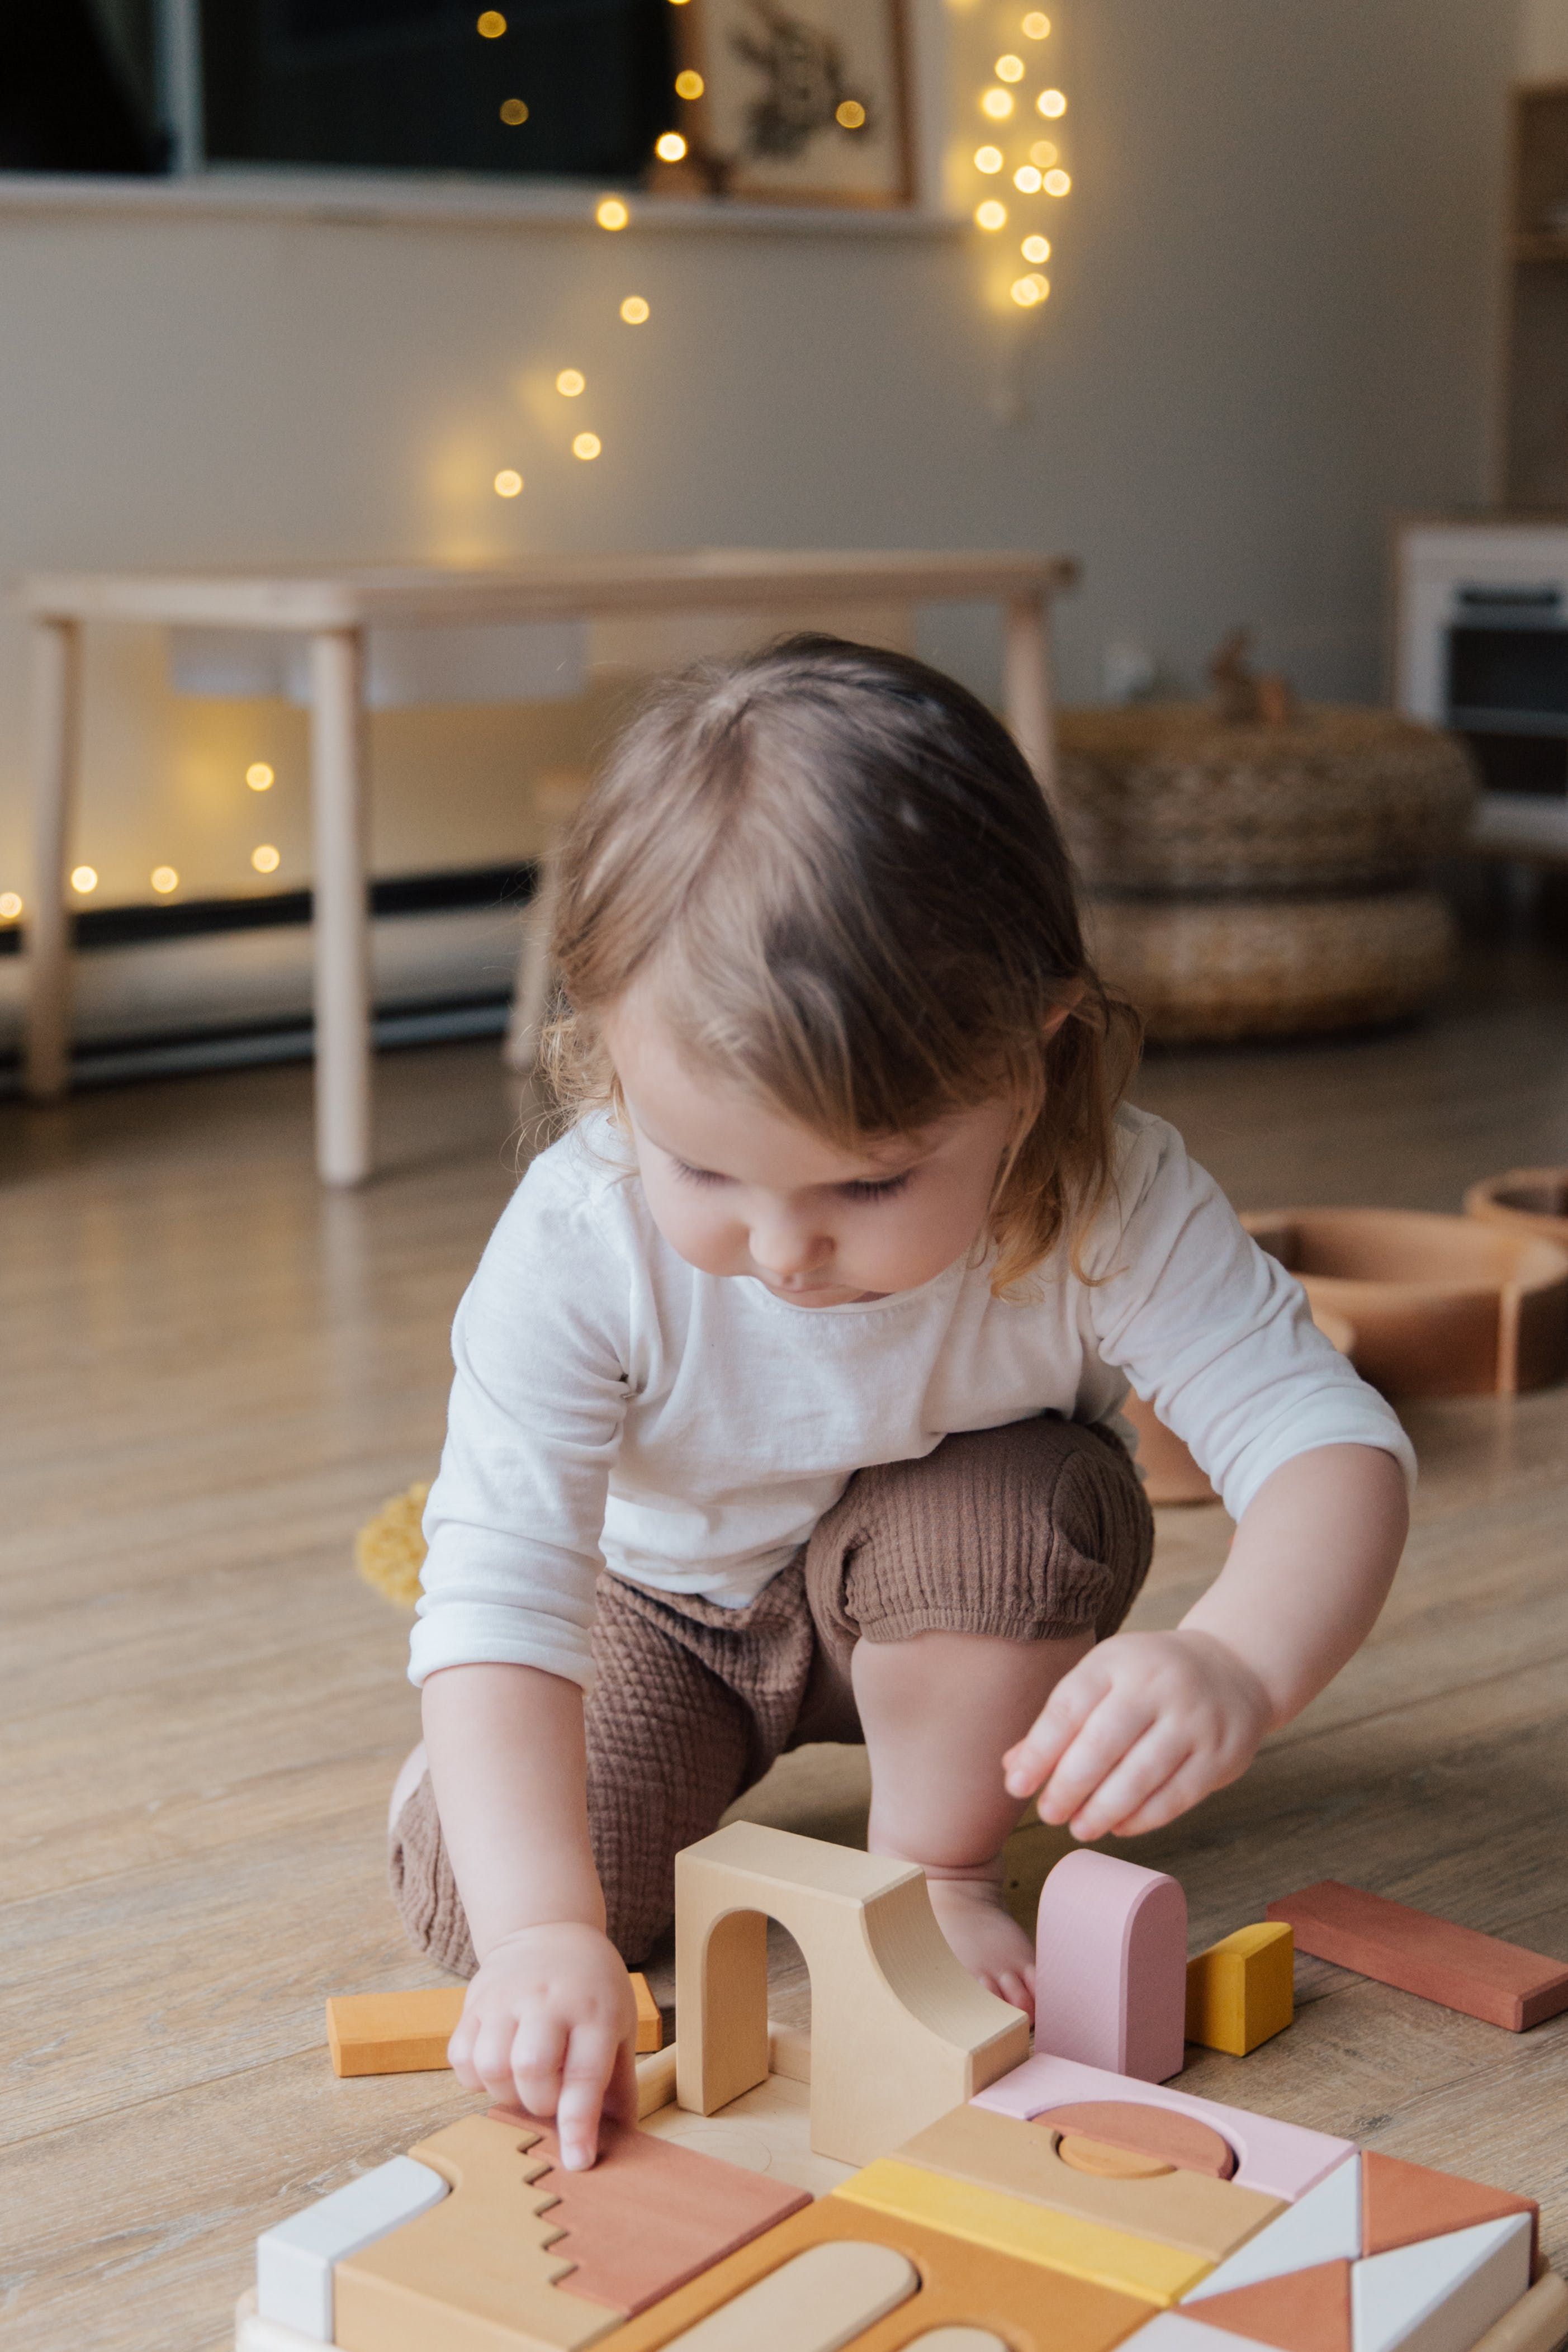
<point x="1032" y="1531"/>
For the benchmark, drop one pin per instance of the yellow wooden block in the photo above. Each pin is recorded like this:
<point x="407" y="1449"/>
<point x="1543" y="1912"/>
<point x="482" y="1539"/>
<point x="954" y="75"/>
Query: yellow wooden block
<point x="650" y="2022"/>
<point x="1242" y="1989"/>
<point x="1158" y="2274"/>
<point x="392" y="2033"/>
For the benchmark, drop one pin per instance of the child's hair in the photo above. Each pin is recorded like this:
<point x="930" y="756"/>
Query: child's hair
<point x="837" y="873"/>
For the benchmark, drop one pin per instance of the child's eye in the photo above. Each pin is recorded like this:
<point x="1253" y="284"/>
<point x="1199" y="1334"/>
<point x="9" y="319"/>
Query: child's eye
<point x="697" y="1175"/>
<point x="863" y="1190"/>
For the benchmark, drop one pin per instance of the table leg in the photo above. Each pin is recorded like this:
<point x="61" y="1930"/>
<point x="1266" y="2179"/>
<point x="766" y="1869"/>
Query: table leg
<point x="342" y="938"/>
<point x="1027" y="686"/>
<point x="56" y="734"/>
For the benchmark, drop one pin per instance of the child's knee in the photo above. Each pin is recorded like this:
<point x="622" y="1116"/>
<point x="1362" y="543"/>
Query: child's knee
<point x="424" y="1888"/>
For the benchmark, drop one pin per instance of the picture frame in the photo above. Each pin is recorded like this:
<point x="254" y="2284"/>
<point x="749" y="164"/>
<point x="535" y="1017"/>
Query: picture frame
<point x="801" y="102"/>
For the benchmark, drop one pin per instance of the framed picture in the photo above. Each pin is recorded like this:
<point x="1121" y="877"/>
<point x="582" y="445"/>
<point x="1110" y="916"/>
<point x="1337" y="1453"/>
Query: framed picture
<point x="801" y="102"/>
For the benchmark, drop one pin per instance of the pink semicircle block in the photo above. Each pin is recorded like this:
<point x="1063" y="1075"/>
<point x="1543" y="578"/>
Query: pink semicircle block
<point x="1111" y="1966"/>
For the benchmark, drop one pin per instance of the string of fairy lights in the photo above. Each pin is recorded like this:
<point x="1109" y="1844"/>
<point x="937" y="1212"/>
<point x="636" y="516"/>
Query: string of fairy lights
<point x="1012" y="152"/>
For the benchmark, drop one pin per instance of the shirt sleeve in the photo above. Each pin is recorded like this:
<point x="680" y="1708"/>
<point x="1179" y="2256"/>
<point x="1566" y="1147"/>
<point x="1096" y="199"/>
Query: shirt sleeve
<point x="1215" y="1333"/>
<point x="515" y="1516"/>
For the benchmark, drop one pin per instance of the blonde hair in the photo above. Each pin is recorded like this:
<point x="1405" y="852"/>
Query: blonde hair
<point x="838" y="874"/>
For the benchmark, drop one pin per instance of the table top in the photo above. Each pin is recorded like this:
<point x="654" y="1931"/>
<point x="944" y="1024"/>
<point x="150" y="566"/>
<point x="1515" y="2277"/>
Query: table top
<point x="543" y="587"/>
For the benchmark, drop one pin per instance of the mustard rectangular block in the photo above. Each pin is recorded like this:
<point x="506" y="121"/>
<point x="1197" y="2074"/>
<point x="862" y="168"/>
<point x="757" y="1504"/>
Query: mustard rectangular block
<point x="392" y="2033"/>
<point x="1241" y="1991"/>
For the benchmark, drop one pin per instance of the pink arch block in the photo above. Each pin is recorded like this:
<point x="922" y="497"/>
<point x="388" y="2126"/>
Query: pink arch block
<point x="1111" y="1966"/>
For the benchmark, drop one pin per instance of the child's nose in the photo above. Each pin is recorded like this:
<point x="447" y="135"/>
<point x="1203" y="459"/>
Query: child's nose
<point x="785" y="1250"/>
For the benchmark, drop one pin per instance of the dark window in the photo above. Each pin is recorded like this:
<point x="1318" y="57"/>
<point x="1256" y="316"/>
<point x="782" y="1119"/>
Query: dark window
<point x="417" y="85"/>
<point x="76" y="87"/>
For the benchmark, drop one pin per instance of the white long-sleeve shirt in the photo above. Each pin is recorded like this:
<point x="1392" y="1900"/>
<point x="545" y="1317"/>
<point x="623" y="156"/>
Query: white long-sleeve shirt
<point x="614" y="1407"/>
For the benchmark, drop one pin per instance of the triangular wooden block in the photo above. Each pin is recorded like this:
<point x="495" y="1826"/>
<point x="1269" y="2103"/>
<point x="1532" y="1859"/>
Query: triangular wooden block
<point x="1402" y="2203"/>
<point x="1440" y="2294"/>
<point x="1309" y="2311"/>
<point x="1323" y="2227"/>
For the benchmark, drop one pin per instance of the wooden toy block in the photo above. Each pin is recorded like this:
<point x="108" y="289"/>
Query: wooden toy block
<point x="1241" y="1991"/>
<point x="650" y="2024"/>
<point x="1526" y="1200"/>
<point x="1309" y="2311"/>
<point x="1031" y="2234"/>
<point x="1280" y="2160"/>
<point x="901" y="2033"/>
<point x="294" y="2260"/>
<point x="253" y="2334"/>
<point x="1442" y="2294"/>
<point x="961" y="2286"/>
<point x="1402" y="2203"/>
<point x="818" y="2301"/>
<point x="1183" y="2331"/>
<point x="655" y="2082"/>
<point x="1204" y="2217"/>
<point x="1091" y="2131"/>
<point x="649" y="2214"/>
<point x="1500" y="1983"/>
<point x="1325" y="2226"/>
<point x="1538" y="2322"/>
<point x="477" y="2273"/>
<point x="392" y="2033"/>
<point x="1111" y="1965"/>
<point x="956" y="2339"/>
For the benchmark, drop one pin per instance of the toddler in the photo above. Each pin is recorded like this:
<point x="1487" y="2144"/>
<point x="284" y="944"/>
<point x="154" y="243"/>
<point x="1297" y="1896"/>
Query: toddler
<point x="785" y="1396"/>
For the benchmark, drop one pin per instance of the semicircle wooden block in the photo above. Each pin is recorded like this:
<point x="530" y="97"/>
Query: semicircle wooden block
<point x="1111" y="1966"/>
<point x="900" y="2030"/>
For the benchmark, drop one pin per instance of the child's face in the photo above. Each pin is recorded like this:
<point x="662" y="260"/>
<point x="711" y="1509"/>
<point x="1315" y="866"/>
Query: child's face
<point x="738" y="1189"/>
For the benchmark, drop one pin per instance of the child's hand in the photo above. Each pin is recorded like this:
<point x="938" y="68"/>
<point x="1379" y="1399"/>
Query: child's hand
<point x="1139" y="1730"/>
<point x="550" y="2021"/>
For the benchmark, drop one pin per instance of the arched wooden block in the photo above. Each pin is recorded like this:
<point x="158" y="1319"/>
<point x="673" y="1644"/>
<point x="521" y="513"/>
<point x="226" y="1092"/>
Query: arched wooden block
<point x="1441" y="1305"/>
<point x="1525" y="1200"/>
<point x="900" y="2030"/>
<point x="1111" y="1966"/>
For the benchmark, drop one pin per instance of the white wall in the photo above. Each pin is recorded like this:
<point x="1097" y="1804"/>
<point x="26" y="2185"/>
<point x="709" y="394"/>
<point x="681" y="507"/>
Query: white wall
<point x="1543" y="40"/>
<point x="1271" y="327"/>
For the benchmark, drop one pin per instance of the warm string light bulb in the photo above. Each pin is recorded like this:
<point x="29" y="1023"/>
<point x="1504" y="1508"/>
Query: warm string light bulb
<point x="610" y="213"/>
<point x="1035" y="27"/>
<point x="491" y="24"/>
<point x="571" y="382"/>
<point x="669" y="147"/>
<point x="164" y="879"/>
<point x="689" y="84"/>
<point x="259" y="776"/>
<point x="1027" y="291"/>
<point x="10" y="906"/>
<point x="988" y="159"/>
<point x="266" y="858"/>
<point x="507" y="483"/>
<point x="1027" y="179"/>
<point x="84" y="879"/>
<point x="1009" y="68"/>
<point x="1036" y="248"/>
<point x="586" y="445"/>
<point x="1044" y="153"/>
<point x="990" y="215"/>
<point x="513" y="112"/>
<point x="996" y="104"/>
<point x="634" y="311"/>
<point x="850" y="114"/>
<point x="1056" y="183"/>
<point x="1050" y="103"/>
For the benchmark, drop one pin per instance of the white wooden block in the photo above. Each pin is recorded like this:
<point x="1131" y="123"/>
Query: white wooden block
<point x="817" y="2302"/>
<point x="253" y="2334"/>
<point x="1440" y="2294"/>
<point x="294" y="2262"/>
<point x="1174" y="2331"/>
<point x="1324" y="2227"/>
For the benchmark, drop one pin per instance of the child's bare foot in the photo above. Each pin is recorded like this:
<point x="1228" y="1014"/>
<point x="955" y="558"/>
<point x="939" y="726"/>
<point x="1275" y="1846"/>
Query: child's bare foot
<point x="986" y="1937"/>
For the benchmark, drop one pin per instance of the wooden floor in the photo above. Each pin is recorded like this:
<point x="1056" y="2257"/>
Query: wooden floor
<point x="213" y="1372"/>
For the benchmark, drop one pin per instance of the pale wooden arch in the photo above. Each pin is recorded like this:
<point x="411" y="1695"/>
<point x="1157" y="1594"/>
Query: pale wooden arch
<point x="899" y="2032"/>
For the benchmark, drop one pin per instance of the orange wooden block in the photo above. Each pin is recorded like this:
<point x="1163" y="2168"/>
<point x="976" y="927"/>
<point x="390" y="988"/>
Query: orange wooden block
<point x="963" y="2285"/>
<point x="649" y="2214"/>
<point x="1175" y="2139"/>
<point x="1402" y="2203"/>
<point x="1309" y="2311"/>
<point x="650" y="2022"/>
<point x="392" y="2033"/>
<point x="1500" y="1983"/>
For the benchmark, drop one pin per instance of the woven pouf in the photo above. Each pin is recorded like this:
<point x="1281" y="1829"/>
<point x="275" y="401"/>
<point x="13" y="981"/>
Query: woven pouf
<point x="1253" y="881"/>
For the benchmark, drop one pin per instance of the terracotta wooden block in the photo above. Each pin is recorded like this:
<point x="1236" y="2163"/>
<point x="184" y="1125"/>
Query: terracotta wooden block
<point x="649" y="2214"/>
<point x="392" y="2033"/>
<point x="1032" y="2234"/>
<point x="1111" y="1965"/>
<point x="1538" y="2322"/>
<point x="818" y="2301"/>
<point x="294" y="2260"/>
<point x="1325" y="2226"/>
<point x="650" y="2024"/>
<point x="1176" y="2143"/>
<point x="1441" y="2295"/>
<point x="1241" y="1991"/>
<point x="901" y="2031"/>
<point x="476" y="2273"/>
<point x="1527" y="1199"/>
<point x="1402" y="2203"/>
<point x="961" y="2286"/>
<point x="1281" y="2160"/>
<point x="1310" y="2311"/>
<point x="1202" y="2216"/>
<point x="1500" y="1983"/>
<point x="1441" y="1305"/>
